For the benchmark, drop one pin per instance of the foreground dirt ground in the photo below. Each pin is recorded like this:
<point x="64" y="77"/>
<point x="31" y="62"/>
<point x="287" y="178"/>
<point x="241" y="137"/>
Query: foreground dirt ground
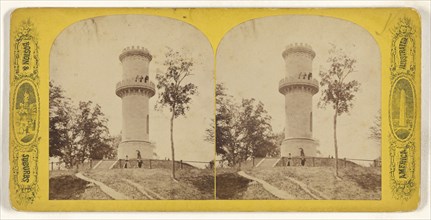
<point x="192" y="184"/>
<point x="355" y="183"/>
<point x="64" y="185"/>
<point x="300" y="183"/>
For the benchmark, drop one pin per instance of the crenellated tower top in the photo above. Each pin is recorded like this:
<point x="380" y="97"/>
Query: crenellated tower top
<point x="135" y="51"/>
<point x="302" y="48"/>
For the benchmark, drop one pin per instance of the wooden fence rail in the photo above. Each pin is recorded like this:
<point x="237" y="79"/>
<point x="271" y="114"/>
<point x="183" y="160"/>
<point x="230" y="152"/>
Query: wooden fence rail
<point x="121" y="163"/>
<point x="309" y="161"/>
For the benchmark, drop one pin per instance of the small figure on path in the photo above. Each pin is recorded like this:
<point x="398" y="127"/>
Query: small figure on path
<point x="126" y="164"/>
<point x="302" y="156"/>
<point x="289" y="159"/>
<point x="138" y="156"/>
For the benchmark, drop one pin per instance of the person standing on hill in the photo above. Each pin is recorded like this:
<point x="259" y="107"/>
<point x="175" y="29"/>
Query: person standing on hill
<point x="289" y="159"/>
<point x="302" y="154"/>
<point x="139" y="158"/>
<point x="126" y="164"/>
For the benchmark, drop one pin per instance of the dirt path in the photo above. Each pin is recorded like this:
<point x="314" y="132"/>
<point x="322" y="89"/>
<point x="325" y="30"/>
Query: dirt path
<point x="278" y="192"/>
<point x="147" y="192"/>
<point x="273" y="190"/>
<point x="106" y="189"/>
<point x="232" y="186"/>
<point x="312" y="192"/>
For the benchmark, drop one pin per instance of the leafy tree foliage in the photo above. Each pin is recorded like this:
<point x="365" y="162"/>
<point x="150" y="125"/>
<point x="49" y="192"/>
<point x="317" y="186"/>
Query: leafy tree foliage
<point x="60" y="120"/>
<point x="174" y="93"/>
<point x="93" y="136"/>
<point x="273" y="150"/>
<point x="225" y="112"/>
<point x="337" y="91"/>
<point x="376" y="128"/>
<point x="242" y="129"/>
<point x="256" y="131"/>
<point x="77" y="134"/>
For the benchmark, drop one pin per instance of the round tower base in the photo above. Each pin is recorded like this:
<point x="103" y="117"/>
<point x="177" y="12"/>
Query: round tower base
<point x="129" y="148"/>
<point x="293" y="145"/>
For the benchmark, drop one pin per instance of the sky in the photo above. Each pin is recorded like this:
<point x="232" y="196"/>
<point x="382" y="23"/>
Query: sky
<point x="250" y="64"/>
<point x="84" y="62"/>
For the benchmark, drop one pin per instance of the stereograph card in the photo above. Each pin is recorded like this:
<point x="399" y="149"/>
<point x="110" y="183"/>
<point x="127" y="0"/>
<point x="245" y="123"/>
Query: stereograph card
<point x="146" y="109"/>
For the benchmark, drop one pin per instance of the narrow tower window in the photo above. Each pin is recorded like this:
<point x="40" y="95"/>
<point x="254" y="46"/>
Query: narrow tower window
<point x="311" y="121"/>
<point x="148" y="123"/>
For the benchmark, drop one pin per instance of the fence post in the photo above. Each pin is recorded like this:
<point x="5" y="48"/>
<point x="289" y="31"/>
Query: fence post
<point x="313" y="161"/>
<point x="150" y="164"/>
<point x="52" y="165"/>
<point x="91" y="163"/>
<point x="181" y="164"/>
<point x="253" y="161"/>
<point x="77" y="166"/>
<point x="121" y="166"/>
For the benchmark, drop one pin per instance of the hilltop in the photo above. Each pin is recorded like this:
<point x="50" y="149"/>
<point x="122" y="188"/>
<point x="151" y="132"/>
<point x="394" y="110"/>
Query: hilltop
<point x="355" y="183"/>
<point x="142" y="184"/>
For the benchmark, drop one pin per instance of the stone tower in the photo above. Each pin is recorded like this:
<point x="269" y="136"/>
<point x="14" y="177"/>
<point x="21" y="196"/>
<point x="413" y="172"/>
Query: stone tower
<point x="298" y="88"/>
<point x="135" y="90"/>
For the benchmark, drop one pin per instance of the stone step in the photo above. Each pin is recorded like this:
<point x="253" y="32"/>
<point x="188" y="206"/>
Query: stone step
<point x="105" y="164"/>
<point x="268" y="162"/>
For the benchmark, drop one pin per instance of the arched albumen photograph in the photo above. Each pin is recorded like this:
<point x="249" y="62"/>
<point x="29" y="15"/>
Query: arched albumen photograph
<point x="131" y="100"/>
<point x="298" y="110"/>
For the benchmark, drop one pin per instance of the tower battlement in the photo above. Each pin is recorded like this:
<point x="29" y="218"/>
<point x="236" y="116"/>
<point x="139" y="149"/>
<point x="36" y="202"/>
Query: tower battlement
<point x="135" y="51"/>
<point x="132" y="86"/>
<point x="291" y="84"/>
<point x="299" y="48"/>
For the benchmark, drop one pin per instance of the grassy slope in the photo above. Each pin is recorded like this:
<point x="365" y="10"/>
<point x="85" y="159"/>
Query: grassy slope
<point x="356" y="183"/>
<point x="64" y="185"/>
<point x="230" y="185"/>
<point x="192" y="183"/>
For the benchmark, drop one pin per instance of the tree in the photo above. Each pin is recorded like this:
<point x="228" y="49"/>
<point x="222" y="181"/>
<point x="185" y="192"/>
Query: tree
<point x="115" y="143"/>
<point x="225" y="113"/>
<point x="337" y="91"/>
<point x="58" y="119"/>
<point x="277" y="140"/>
<point x="255" y="130"/>
<point x="77" y="134"/>
<point x="224" y="131"/>
<point x="93" y="136"/>
<point x="174" y="93"/>
<point x="242" y="129"/>
<point x="61" y="134"/>
<point x="376" y="128"/>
